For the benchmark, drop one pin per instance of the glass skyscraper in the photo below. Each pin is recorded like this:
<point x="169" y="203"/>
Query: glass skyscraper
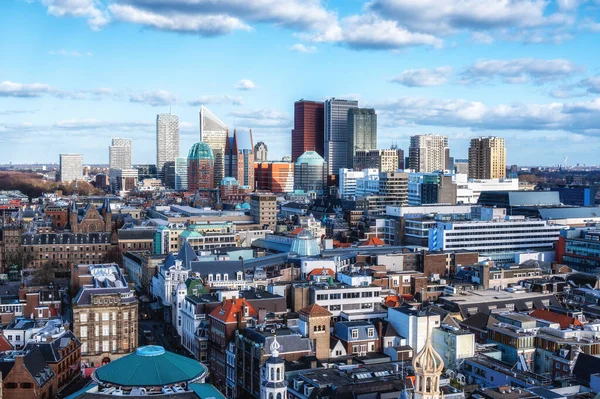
<point x="336" y="133"/>
<point x="214" y="133"/>
<point x="167" y="141"/>
<point x="362" y="132"/>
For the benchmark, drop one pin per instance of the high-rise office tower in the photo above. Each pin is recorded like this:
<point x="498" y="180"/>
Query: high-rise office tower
<point x="71" y="167"/>
<point x="167" y="141"/>
<point x="336" y="133"/>
<point x="261" y="152"/>
<point x="308" y="131"/>
<point x="214" y="133"/>
<point x="239" y="158"/>
<point x="428" y="152"/>
<point x="362" y="132"/>
<point x="201" y="163"/>
<point x="487" y="158"/>
<point x="119" y="154"/>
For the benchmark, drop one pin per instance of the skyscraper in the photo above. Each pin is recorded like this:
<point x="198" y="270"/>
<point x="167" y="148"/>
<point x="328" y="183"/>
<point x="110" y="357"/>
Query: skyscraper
<point x="487" y="158"/>
<point x="308" y="132"/>
<point x="261" y="152"/>
<point x="201" y="163"/>
<point x="181" y="173"/>
<point x="119" y="154"/>
<point x="362" y="131"/>
<point x="167" y="141"/>
<point x="310" y="173"/>
<point x="239" y="158"/>
<point x="428" y="152"/>
<point x="71" y="167"/>
<point x="336" y="133"/>
<point x="214" y="133"/>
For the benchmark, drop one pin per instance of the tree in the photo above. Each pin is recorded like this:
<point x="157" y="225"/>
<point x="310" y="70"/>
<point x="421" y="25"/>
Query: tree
<point x="44" y="275"/>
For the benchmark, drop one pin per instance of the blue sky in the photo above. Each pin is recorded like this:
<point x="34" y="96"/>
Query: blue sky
<point x="75" y="73"/>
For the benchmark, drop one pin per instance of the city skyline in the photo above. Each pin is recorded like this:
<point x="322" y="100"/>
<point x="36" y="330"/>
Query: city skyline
<point x="524" y="75"/>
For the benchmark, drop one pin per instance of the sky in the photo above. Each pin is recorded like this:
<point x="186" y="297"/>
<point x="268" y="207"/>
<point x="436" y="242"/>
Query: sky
<point x="75" y="73"/>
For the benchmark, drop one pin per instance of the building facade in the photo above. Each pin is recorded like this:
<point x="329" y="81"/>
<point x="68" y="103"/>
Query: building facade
<point x="71" y="167"/>
<point x="336" y="133"/>
<point x="200" y="167"/>
<point x="214" y="133"/>
<point x="487" y="158"/>
<point x="239" y="158"/>
<point x="308" y="132"/>
<point x="362" y="132"/>
<point x="261" y="152"/>
<point x="167" y="141"/>
<point x="310" y="173"/>
<point x="275" y="177"/>
<point x="119" y="154"/>
<point x="428" y="153"/>
<point x="384" y="160"/>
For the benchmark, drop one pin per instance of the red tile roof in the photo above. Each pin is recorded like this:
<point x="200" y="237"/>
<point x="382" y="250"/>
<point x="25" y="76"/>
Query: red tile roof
<point x="4" y="344"/>
<point x="373" y="241"/>
<point x="319" y="272"/>
<point x="314" y="310"/>
<point x="227" y="312"/>
<point x="564" y="320"/>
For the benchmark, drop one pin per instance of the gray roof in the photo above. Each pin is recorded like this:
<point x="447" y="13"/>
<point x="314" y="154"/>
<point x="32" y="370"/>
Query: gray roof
<point x="343" y="330"/>
<point x="50" y="349"/>
<point x="84" y="297"/>
<point x="289" y="340"/>
<point x="569" y="213"/>
<point x="187" y="254"/>
<point x="529" y="198"/>
<point x="136" y="234"/>
<point x="65" y="238"/>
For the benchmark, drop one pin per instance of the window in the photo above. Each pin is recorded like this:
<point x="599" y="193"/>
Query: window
<point x="125" y="315"/>
<point x="105" y="316"/>
<point x="84" y="347"/>
<point x="354" y="333"/>
<point x="83" y="331"/>
<point x="105" y="346"/>
<point x="354" y="348"/>
<point x="371" y="332"/>
<point x="105" y="331"/>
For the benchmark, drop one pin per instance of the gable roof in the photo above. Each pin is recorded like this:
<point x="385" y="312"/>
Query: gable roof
<point x="564" y="320"/>
<point x="373" y="241"/>
<point x="4" y="344"/>
<point x="187" y="254"/>
<point x="227" y="312"/>
<point x="479" y="321"/>
<point x="314" y="310"/>
<point x="585" y="366"/>
<point x="50" y="350"/>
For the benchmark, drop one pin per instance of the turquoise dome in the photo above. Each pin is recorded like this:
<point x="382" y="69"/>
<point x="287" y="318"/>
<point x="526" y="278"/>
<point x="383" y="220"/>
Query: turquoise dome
<point x="201" y="150"/>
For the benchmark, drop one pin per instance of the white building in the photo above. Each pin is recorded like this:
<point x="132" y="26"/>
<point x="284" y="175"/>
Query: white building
<point x="368" y="185"/>
<point x="119" y="154"/>
<point x="468" y="190"/>
<point x="344" y="298"/>
<point x="499" y="239"/>
<point x="453" y="343"/>
<point x="428" y="153"/>
<point x="169" y="276"/>
<point x="167" y="141"/>
<point x="412" y="324"/>
<point x="349" y="178"/>
<point x="71" y="167"/>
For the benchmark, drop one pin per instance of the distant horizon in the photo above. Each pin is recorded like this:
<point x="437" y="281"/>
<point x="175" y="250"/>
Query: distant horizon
<point x="80" y="73"/>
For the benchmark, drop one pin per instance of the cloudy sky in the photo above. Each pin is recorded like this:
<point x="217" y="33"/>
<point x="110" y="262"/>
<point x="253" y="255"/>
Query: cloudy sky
<point x="74" y="73"/>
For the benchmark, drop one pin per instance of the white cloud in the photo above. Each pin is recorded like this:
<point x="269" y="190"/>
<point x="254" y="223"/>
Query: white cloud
<point x="301" y="48"/>
<point x="89" y="9"/>
<point x="70" y="53"/>
<point x="13" y="89"/>
<point x="482" y="38"/>
<point x="424" y="77"/>
<point x="372" y="32"/>
<point x="245" y="84"/>
<point x="592" y="84"/>
<point x="521" y="70"/>
<point x="216" y="99"/>
<point x="154" y="98"/>
<point x="265" y="117"/>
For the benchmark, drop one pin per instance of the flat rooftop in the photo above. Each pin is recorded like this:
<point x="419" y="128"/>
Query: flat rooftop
<point x="478" y="296"/>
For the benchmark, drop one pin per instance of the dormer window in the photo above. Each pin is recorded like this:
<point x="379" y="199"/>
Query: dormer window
<point x="354" y="333"/>
<point x="371" y="332"/>
<point x="218" y="277"/>
<point x="210" y="277"/>
<point x="225" y="277"/>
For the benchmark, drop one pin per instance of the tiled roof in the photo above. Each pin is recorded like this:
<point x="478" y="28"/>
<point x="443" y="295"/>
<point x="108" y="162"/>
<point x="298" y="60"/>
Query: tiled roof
<point x="314" y="310"/>
<point x="227" y="312"/>
<point x="50" y="350"/>
<point x="373" y="241"/>
<point x="4" y="344"/>
<point x="564" y="320"/>
<point x="322" y="272"/>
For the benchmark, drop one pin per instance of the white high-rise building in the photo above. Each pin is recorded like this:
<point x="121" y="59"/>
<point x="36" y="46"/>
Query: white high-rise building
<point x="336" y="133"/>
<point x="428" y="153"/>
<point x="181" y="173"/>
<point x="71" y="167"/>
<point x="167" y="141"/>
<point x="214" y="133"/>
<point x="119" y="154"/>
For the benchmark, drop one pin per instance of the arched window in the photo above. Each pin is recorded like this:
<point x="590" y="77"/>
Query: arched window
<point x="272" y="374"/>
<point x="278" y="373"/>
<point x="428" y="384"/>
<point x="271" y="395"/>
<point x="279" y="395"/>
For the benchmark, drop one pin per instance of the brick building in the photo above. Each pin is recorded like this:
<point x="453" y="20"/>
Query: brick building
<point x="25" y="375"/>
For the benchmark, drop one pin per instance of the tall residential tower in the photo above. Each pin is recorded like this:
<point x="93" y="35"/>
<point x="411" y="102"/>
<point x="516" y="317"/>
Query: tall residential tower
<point x="487" y="158"/>
<point x="119" y="154"/>
<point x="428" y="153"/>
<point x="167" y="141"/>
<point x="71" y="167"/>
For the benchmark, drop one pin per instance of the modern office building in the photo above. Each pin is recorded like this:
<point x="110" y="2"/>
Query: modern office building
<point x="362" y="132"/>
<point x="336" y="133"/>
<point x="71" y="167"/>
<point x="119" y="154"/>
<point x="384" y="160"/>
<point x="487" y="158"/>
<point x="498" y="239"/>
<point x="181" y="173"/>
<point x="310" y="173"/>
<point x="123" y="179"/>
<point x="239" y="158"/>
<point x="394" y="186"/>
<point x="469" y="190"/>
<point x="577" y="195"/>
<point x="263" y="208"/>
<point x="431" y="188"/>
<point x="428" y="153"/>
<point x="349" y="178"/>
<point x="461" y="166"/>
<point x="400" y="154"/>
<point x="214" y="133"/>
<point x="261" y="152"/>
<point x="274" y="177"/>
<point x="580" y="249"/>
<point x="147" y="171"/>
<point x="200" y="167"/>
<point x="308" y="132"/>
<point x="167" y="141"/>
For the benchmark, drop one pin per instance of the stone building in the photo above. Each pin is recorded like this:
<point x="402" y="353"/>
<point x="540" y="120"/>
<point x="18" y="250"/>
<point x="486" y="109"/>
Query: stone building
<point x="104" y="313"/>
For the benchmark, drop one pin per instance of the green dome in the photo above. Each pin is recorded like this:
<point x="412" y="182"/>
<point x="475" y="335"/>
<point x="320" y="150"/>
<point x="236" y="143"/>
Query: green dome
<point x="201" y="150"/>
<point x="150" y="366"/>
<point x="311" y="158"/>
